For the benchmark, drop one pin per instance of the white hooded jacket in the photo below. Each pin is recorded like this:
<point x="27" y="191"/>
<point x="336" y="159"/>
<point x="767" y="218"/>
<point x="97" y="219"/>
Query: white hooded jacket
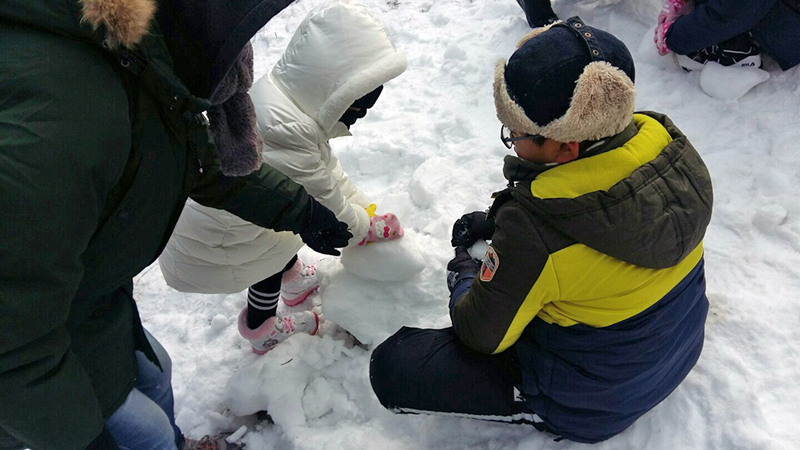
<point x="339" y="53"/>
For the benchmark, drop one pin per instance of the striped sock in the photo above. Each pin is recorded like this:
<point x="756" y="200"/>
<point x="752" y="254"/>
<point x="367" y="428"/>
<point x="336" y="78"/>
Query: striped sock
<point x="262" y="297"/>
<point x="261" y="306"/>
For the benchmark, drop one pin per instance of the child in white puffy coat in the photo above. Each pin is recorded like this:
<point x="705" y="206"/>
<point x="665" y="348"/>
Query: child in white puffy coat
<point x="332" y="71"/>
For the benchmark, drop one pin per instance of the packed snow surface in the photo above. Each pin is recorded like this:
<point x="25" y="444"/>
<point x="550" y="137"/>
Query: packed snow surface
<point x="429" y="152"/>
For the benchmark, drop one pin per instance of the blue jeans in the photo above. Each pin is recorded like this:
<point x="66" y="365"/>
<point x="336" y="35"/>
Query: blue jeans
<point x="146" y="420"/>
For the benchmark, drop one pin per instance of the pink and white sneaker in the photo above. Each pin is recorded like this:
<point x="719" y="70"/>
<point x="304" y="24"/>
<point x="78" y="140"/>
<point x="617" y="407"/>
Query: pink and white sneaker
<point x="277" y="329"/>
<point x="383" y="228"/>
<point x="298" y="283"/>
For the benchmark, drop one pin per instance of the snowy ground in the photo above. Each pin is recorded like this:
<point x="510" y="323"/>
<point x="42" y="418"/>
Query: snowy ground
<point x="429" y="152"/>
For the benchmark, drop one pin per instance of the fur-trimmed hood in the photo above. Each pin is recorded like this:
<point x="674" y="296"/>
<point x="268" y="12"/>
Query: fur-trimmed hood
<point x="204" y="38"/>
<point x="339" y="53"/>
<point x="125" y="22"/>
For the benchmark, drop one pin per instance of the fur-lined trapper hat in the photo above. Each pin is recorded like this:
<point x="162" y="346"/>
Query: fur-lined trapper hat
<point x="568" y="82"/>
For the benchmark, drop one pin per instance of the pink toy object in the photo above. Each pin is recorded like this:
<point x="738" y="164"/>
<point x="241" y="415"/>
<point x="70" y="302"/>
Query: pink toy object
<point x="383" y="228"/>
<point x="670" y="12"/>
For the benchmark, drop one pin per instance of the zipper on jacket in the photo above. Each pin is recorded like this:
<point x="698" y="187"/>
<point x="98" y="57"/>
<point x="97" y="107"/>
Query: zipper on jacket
<point x="193" y="149"/>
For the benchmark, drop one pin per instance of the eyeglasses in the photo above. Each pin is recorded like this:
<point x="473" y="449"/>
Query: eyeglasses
<point x="508" y="139"/>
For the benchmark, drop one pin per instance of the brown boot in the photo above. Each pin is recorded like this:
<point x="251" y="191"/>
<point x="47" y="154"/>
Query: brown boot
<point x="215" y="442"/>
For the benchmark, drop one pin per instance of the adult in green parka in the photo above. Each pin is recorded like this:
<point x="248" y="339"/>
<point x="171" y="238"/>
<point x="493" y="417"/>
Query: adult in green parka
<point x="102" y="139"/>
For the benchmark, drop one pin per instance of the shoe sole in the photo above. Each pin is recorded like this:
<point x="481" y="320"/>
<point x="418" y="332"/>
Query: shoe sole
<point x="300" y="298"/>
<point x="259" y="352"/>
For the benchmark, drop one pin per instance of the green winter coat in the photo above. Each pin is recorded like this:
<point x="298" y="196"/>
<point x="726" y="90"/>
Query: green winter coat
<point x="99" y="149"/>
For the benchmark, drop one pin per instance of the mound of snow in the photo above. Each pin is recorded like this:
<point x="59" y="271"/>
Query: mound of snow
<point x="372" y="310"/>
<point x="730" y="83"/>
<point x="286" y="381"/>
<point x="396" y="260"/>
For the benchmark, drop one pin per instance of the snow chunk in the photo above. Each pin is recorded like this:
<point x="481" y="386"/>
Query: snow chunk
<point x="276" y="381"/>
<point x="769" y="217"/>
<point x="236" y="435"/>
<point x="385" y="261"/>
<point x="432" y="177"/>
<point x="730" y="83"/>
<point x="455" y="52"/>
<point x="219" y="323"/>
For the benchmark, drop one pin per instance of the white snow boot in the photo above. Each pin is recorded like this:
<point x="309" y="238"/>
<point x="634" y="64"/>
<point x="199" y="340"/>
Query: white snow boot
<point x="277" y="329"/>
<point x="298" y="283"/>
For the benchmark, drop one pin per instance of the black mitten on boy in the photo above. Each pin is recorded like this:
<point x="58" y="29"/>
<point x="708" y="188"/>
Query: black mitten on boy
<point x="470" y="228"/>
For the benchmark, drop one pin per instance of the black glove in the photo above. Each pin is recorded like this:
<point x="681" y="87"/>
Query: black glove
<point x="324" y="231"/>
<point x="461" y="270"/>
<point x="470" y="228"/>
<point x="103" y="442"/>
<point x="462" y="264"/>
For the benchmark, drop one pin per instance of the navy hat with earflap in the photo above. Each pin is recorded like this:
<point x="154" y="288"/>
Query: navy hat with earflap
<point x="567" y="81"/>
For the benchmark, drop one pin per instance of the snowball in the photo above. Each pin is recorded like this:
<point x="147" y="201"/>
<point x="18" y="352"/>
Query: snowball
<point x="432" y="177"/>
<point x="453" y="51"/>
<point x="219" y="323"/>
<point x="395" y="260"/>
<point x="478" y="249"/>
<point x="648" y="53"/>
<point x="730" y="83"/>
<point x="769" y="217"/>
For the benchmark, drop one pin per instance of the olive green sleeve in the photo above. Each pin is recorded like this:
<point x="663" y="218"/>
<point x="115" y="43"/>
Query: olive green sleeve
<point x="64" y="134"/>
<point x="265" y="197"/>
<point x="483" y="315"/>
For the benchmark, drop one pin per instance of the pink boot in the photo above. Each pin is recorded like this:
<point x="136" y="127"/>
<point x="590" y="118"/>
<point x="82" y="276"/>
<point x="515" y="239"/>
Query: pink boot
<point x="277" y="329"/>
<point x="383" y="228"/>
<point x="298" y="283"/>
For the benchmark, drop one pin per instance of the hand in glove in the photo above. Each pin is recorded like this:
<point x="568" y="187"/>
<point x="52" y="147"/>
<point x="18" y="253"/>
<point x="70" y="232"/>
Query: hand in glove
<point x="323" y="231"/>
<point x="470" y="228"/>
<point x="670" y="12"/>
<point x="461" y="267"/>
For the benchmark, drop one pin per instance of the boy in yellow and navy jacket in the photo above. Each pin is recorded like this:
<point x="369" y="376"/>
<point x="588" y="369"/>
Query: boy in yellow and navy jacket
<point x="589" y="306"/>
